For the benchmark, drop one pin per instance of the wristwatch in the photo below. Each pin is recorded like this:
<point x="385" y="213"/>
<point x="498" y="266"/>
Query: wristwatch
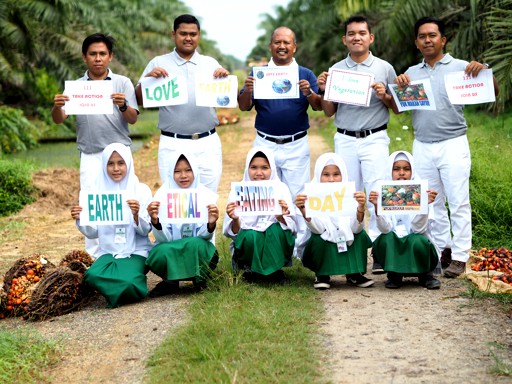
<point x="123" y="107"/>
<point x="486" y="65"/>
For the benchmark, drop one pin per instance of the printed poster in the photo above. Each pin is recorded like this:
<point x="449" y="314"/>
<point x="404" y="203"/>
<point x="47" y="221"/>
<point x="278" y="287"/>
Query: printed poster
<point x="402" y="197"/>
<point x="254" y="198"/>
<point x="164" y="91"/>
<point x="465" y="89"/>
<point x="104" y="208"/>
<point x="417" y="95"/>
<point x="280" y="82"/>
<point x="178" y="206"/>
<point x="89" y="97"/>
<point x="349" y="87"/>
<point x="330" y="199"/>
<point x="219" y="93"/>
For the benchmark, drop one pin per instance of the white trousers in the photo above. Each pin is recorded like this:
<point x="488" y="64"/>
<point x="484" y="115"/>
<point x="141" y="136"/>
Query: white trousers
<point x="366" y="160"/>
<point x="90" y="170"/>
<point x="207" y="150"/>
<point x="447" y="165"/>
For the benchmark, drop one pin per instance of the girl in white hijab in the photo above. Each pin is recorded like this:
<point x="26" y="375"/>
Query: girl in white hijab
<point x="262" y="244"/>
<point x="403" y="248"/>
<point x="184" y="251"/>
<point x="119" y="274"/>
<point x="338" y="245"/>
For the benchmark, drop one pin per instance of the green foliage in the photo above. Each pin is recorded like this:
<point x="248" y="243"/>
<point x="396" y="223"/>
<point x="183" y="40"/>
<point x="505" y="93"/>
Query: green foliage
<point x="16" y="132"/>
<point x="16" y="188"/>
<point x="23" y="355"/>
<point x="244" y="333"/>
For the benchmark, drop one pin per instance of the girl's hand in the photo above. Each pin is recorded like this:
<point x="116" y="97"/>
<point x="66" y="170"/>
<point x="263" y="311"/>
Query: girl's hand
<point x="431" y="195"/>
<point x="75" y="212"/>
<point x="213" y="213"/>
<point x="374" y="196"/>
<point x="230" y="211"/>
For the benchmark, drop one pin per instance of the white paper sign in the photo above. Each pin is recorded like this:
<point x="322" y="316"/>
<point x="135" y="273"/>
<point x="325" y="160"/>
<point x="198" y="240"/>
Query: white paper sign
<point x="104" y="208"/>
<point x="89" y="97"/>
<point x="219" y="93"/>
<point x="280" y="82"/>
<point x="163" y="91"/>
<point x="349" y="87"/>
<point x="399" y="197"/>
<point x="417" y="95"/>
<point x="183" y="206"/>
<point x="254" y="198"/>
<point x="330" y="199"/>
<point x="464" y="89"/>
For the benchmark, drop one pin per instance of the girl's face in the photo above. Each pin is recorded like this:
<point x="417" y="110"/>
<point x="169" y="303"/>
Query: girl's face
<point x="116" y="167"/>
<point x="259" y="169"/>
<point x="331" y="174"/>
<point x="183" y="174"/>
<point x="401" y="170"/>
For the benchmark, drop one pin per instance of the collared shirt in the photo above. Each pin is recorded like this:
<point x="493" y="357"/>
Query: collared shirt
<point x="355" y="117"/>
<point x="447" y="121"/>
<point x="284" y="117"/>
<point x="188" y="118"/>
<point x="95" y="132"/>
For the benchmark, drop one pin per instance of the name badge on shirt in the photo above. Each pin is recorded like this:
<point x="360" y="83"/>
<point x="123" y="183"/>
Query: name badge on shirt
<point x="341" y="244"/>
<point x="186" y="230"/>
<point x="262" y="222"/>
<point x="120" y="236"/>
<point x="401" y="231"/>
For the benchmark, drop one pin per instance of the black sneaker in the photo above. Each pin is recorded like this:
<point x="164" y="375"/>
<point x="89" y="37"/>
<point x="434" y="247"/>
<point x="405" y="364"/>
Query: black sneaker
<point x="429" y="281"/>
<point x="359" y="280"/>
<point x="322" y="282"/>
<point x="165" y="287"/>
<point x="446" y="257"/>
<point x="394" y="281"/>
<point x="377" y="269"/>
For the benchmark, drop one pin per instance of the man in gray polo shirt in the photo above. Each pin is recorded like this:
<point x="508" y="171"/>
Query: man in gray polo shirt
<point x="187" y="127"/>
<point x="440" y="148"/>
<point x="95" y="132"/>
<point x="361" y="138"/>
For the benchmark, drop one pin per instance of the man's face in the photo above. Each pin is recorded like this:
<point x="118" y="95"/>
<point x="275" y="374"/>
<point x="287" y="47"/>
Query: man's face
<point x="430" y="42"/>
<point x="358" y="39"/>
<point x="186" y="38"/>
<point x="282" y="46"/>
<point x="97" y="60"/>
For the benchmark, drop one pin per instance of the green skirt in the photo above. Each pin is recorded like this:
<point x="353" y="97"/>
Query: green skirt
<point x="187" y="258"/>
<point x="413" y="253"/>
<point x="263" y="252"/>
<point x="323" y="258"/>
<point x="120" y="281"/>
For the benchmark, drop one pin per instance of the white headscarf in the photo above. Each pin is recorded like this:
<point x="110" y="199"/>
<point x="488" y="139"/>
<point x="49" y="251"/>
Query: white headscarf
<point x="106" y="233"/>
<point x="331" y="228"/>
<point x="397" y="156"/>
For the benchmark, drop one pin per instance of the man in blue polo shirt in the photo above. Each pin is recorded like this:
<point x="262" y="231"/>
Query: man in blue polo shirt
<point x="361" y="138"/>
<point x="282" y="124"/>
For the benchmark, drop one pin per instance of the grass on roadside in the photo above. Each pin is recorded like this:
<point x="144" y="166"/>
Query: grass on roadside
<point x="245" y="333"/>
<point x="23" y="355"/>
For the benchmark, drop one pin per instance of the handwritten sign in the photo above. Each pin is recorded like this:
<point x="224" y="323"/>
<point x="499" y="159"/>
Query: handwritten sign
<point x="330" y="199"/>
<point x="89" y="97"/>
<point x="465" y="89"/>
<point x="221" y="92"/>
<point x="349" y="87"/>
<point x="402" y="197"/>
<point x="182" y="206"/>
<point x="253" y="198"/>
<point x="276" y="82"/>
<point x="163" y="91"/>
<point x="417" y="95"/>
<point x="104" y="208"/>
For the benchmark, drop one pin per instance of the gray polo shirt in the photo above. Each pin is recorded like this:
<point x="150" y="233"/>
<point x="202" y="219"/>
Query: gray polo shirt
<point x="357" y="118"/>
<point x="186" y="118"/>
<point x="95" y="132"/>
<point x="447" y="121"/>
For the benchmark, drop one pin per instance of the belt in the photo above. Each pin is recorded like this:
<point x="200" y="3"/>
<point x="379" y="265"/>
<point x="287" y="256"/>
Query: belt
<point x="283" y="140"/>
<point x="194" y="136"/>
<point x="362" y="134"/>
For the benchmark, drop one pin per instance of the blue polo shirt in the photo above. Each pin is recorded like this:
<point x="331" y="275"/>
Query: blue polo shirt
<point x="284" y="117"/>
